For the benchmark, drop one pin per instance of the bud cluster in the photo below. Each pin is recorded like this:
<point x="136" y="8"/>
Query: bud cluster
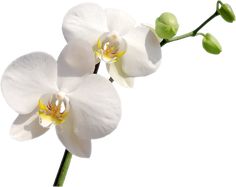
<point x="166" y="27"/>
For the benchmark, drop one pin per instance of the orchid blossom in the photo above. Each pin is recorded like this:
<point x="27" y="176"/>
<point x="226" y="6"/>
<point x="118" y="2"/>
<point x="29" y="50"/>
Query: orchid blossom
<point x="129" y="50"/>
<point x="82" y="106"/>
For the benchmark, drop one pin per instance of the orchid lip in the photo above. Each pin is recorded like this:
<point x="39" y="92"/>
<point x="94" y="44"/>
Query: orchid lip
<point x="110" y="47"/>
<point x="53" y="109"/>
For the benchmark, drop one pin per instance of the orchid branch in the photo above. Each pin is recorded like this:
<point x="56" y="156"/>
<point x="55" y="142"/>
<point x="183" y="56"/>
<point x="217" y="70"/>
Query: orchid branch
<point x="166" y="26"/>
<point x="191" y="34"/>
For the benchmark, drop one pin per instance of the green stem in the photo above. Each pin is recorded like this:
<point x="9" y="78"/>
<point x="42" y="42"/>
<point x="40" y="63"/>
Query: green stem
<point x="192" y="33"/>
<point x="61" y="174"/>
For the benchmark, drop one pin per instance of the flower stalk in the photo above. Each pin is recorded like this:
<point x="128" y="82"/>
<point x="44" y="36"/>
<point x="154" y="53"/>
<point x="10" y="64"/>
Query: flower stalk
<point x="61" y="174"/>
<point x="192" y="33"/>
<point x="65" y="163"/>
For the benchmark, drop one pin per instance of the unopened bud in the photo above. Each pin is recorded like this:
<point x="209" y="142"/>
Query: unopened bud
<point x="166" y="25"/>
<point x="211" y="44"/>
<point x="227" y="13"/>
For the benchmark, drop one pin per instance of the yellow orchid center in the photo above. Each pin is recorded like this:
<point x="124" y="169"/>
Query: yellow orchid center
<point x="110" y="48"/>
<point x="53" y="109"/>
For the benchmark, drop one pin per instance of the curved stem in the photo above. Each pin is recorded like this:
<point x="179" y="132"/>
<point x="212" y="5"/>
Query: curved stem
<point x="218" y="4"/>
<point x="192" y="33"/>
<point x="61" y="174"/>
<point x="65" y="162"/>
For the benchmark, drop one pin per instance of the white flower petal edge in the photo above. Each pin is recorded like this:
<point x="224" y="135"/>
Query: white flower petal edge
<point x="119" y="21"/>
<point x="86" y="21"/>
<point x="143" y="52"/>
<point x="73" y="143"/>
<point x="117" y="74"/>
<point x="27" y="127"/>
<point x="76" y="59"/>
<point x="26" y="79"/>
<point x="96" y="107"/>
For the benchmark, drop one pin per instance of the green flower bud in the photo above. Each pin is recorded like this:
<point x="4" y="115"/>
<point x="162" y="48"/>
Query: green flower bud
<point x="211" y="44"/>
<point x="166" y="25"/>
<point x="227" y="13"/>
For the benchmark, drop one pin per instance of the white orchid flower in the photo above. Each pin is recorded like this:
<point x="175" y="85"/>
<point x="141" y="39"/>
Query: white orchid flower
<point x="81" y="105"/>
<point x="129" y="50"/>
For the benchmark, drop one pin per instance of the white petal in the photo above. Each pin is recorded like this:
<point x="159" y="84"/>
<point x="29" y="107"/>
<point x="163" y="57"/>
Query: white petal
<point x="75" y="145"/>
<point x="117" y="74"/>
<point x="95" y="106"/>
<point x="119" y="21"/>
<point x="86" y="21"/>
<point x="26" y="79"/>
<point x="143" y="52"/>
<point x="27" y="127"/>
<point x="76" y="59"/>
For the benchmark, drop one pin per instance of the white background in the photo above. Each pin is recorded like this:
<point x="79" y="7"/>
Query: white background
<point x="178" y="126"/>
